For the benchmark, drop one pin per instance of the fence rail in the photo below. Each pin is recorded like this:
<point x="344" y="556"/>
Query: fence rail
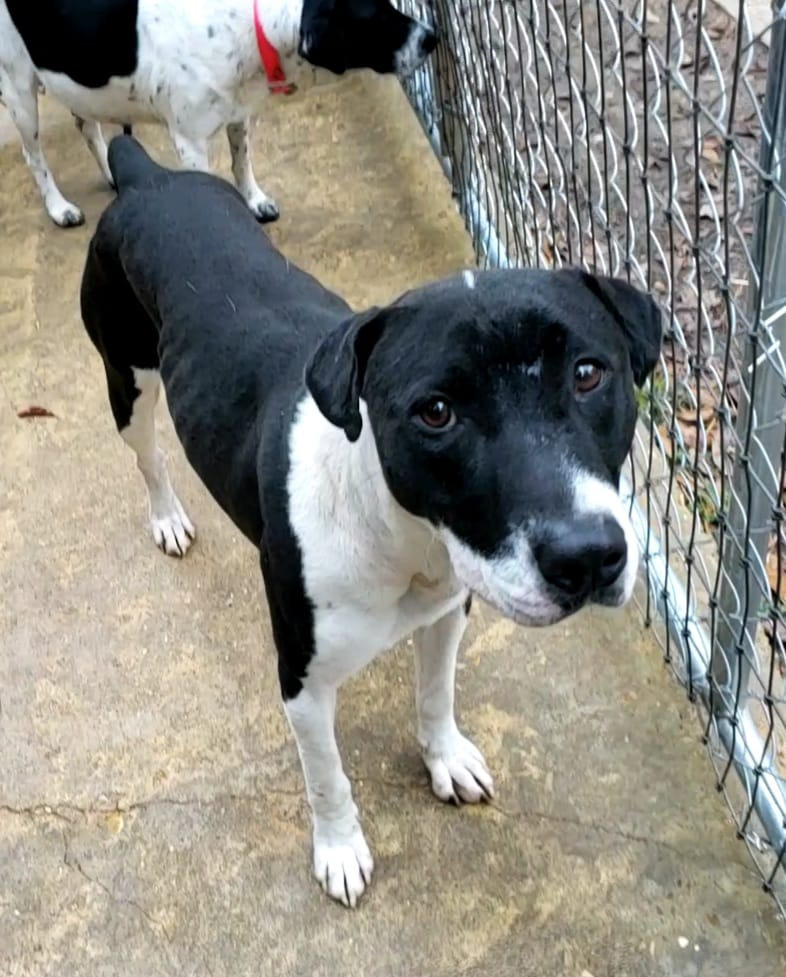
<point x="648" y="140"/>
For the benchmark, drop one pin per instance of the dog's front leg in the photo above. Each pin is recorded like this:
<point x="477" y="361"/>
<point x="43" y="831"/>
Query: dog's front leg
<point x="342" y="860"/>
<point x="457" y="768"/>
<point x="262" y="206"/>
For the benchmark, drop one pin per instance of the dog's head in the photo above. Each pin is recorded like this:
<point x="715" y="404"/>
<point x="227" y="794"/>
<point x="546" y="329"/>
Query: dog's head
<point x="343" y="34"/>
<point x="502" y="408"/>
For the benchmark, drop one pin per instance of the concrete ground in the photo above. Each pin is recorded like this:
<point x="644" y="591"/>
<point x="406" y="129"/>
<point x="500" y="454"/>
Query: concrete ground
<point x="152" y="816"/>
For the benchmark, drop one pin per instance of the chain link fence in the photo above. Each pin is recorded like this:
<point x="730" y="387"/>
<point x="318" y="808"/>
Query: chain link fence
<point x="648" y="140"/>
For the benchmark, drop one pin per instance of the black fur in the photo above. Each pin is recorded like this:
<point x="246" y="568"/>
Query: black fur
<point x="180" y="276"/>
<point x="88" y="40"/>
<point x="343" y="34"/>
<point x="473" y="347"/>
<point x="199" y="292"/>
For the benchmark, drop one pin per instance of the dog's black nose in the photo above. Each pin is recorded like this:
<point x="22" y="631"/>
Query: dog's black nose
<point x="430" y="40"/>
<point x="581" y="556"/>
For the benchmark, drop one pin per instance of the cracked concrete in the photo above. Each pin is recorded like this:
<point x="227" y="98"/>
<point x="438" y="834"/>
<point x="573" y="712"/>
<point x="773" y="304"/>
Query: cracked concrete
<point x="152" y="818"/>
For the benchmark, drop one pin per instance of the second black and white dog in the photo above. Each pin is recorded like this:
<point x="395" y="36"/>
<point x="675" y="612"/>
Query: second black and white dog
<point x="387" y="463"/>
<point x="193" y="65"/>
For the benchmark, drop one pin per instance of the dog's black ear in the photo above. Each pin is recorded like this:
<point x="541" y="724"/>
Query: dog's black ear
<point x="637" y="315"/>
<point x="334" y="376"/>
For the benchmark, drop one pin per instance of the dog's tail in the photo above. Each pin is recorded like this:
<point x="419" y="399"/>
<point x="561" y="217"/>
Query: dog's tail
<point x="130" y="165"/>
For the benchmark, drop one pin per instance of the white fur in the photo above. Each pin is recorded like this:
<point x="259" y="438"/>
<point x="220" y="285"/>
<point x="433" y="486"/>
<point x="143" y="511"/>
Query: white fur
<point x="469" y="279"/>
<point x="511" y="582"/>
<point x="458" y="770"/>
<point x="408" y="58"/>
<point x="342" y="860"/>
<point x="94" y="137"/>
<point x="374" y="573"/>
<point x="198" y="70"/>
<point x="19" y="92"/>
<point x="172" y="530"/>
<point x="592" y="496"/>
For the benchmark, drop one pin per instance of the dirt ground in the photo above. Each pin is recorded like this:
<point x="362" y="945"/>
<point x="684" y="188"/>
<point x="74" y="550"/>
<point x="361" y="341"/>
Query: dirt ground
<point x="152" y="817"/>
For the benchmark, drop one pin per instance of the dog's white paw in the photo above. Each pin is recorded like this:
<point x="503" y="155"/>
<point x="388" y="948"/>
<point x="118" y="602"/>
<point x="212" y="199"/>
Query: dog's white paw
<point x="343" y="867"/>
<point x="65" y="214"/>
<point x="264" y="208"/>
<point x="173" y="532"/>
<point x="458" y="770"/>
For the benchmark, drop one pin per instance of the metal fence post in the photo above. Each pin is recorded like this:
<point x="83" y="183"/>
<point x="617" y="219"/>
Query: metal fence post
<point x="756" y="491"/>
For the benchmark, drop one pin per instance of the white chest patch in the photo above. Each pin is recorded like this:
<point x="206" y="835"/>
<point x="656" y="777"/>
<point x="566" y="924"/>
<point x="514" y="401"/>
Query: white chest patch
<point x="373" y="572"/>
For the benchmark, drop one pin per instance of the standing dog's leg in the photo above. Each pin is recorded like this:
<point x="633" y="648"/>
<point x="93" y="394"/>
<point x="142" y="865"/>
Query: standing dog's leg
<point x="458" y="770"/>
<point x="20" y="94"/>
<point x="94" y="137"/>
<point x="123" y="334"/>
<point x="262" y="206"/>
<point x="342" y="860"/>
<point x="192" y="153"/>
<point x="172" y="529"/>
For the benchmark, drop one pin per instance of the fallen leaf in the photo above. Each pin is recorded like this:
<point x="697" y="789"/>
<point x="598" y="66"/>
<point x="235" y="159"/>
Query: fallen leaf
<point x="35" y="412"/>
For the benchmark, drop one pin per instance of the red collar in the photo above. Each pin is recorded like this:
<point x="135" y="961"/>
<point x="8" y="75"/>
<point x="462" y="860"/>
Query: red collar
<point x="276" y="79"/>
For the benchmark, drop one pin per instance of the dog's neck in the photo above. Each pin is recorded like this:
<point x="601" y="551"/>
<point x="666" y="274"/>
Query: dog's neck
<point x="281" y="22"/>
<point x="342" y="486"/>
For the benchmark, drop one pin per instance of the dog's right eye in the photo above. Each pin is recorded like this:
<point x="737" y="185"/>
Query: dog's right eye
<point x="436" y="414"/>
<point x="587" y="375"/>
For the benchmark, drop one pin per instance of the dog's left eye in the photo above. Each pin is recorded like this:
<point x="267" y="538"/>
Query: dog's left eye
<point x="587" y="376"/>
<point x="437" y="414"/>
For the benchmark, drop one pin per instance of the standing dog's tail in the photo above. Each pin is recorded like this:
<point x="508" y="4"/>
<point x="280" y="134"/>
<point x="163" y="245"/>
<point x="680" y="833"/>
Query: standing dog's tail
<point x="130" y="165"/>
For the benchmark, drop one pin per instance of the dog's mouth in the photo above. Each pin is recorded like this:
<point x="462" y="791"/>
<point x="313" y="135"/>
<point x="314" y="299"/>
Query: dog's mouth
<point x="515" y="586"/>
<point x="527" y="601"/>
<point x="421" y="42"/>
<point x="614" y="596"/>
<point x="541" y="609"/>
<point x="527" y="613"/>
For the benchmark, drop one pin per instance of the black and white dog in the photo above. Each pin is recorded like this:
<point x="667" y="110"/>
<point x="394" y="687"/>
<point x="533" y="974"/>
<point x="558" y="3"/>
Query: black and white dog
<point x="387" y="463"/>
<point x="195" y="65"/>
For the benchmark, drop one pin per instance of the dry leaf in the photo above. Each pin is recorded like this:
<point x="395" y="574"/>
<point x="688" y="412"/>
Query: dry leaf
<point x="35" y="412"/>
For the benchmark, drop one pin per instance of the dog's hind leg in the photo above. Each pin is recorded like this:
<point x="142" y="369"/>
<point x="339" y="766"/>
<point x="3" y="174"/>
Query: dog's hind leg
<point x="192" y="153"/>
<point x="457" y="768"/>
<point x="262" y="207"/>
<point x="172" y="530"/>
<point x="123" y="334"/>
<point x="94" y="137"/>
<point x="20" y="95"/>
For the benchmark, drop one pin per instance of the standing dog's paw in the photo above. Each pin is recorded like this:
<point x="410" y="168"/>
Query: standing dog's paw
<point x="343" y="868"/>
<point x="458" y="770"/>
<point x="67" y="215"/>
<point x="173" y="532"/>
<point x="263" y="208"/>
